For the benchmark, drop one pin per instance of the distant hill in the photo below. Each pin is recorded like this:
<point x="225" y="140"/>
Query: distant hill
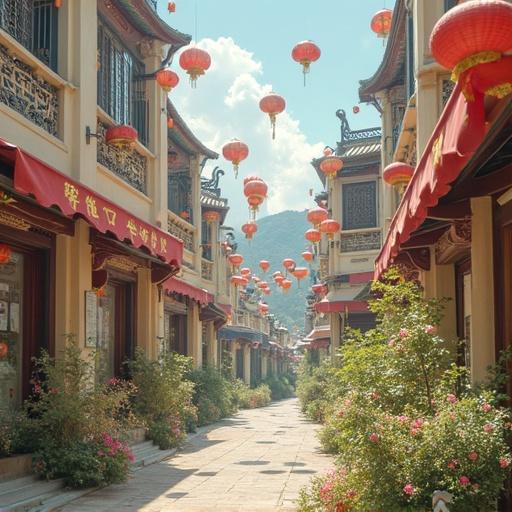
<point x="279" y="236"/>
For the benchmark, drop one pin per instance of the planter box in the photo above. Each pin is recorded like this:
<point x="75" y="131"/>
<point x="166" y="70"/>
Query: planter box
<point x="135" y="436"/>
<point x="15" y="466"/>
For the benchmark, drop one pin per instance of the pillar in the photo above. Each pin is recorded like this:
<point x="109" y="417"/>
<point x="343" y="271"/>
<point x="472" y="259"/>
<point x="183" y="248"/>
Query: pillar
<point x="482" y="349"/>
<point x="247" y="364"/>
<point x="335" y="322"/>
<point x="73" y="278"/>
<point x="195" y="335"/>
<point x="212" y="349"/>
<point x="264" y="363"/>
<point x="146" y="314"/>
<point x="233" y="348"/>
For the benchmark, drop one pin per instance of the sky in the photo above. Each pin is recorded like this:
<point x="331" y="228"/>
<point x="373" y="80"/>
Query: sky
<point x="250" y="45"/>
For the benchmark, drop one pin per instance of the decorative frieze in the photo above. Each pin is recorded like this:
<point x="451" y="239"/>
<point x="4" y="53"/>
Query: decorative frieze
<point x="454" y="243"/>
<point x="180" y="232"/>
<point x="207" y="270"/>
<point x="130" y="166"/>
<point x="361" y="241"/>
<point x="323" y="267"/>
<point x="27" y="93"/>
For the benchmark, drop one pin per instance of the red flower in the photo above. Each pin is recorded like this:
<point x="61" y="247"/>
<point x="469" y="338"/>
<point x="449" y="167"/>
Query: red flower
<point x="473" y="456"/>
<point x="374" y="437"/>
<point x="504" y="463"/>
<point x="464" y="480"/>
<point x="409" y="489"/>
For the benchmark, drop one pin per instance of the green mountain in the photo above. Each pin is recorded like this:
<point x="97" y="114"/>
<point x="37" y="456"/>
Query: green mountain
<point x="279" y="236"/>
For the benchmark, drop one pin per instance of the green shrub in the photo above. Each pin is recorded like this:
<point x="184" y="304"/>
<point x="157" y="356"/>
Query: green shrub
<point x="248" y="398"/>
<point x="164" y="397"/>
<point x="281" y="386"/>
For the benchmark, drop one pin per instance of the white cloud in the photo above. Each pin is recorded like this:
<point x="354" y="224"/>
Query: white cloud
<point x="224" y="105"/>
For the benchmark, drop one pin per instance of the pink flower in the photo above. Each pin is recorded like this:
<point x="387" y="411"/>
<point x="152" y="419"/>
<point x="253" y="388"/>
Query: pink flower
<point x="414" y="432"/>
<point x="341" y="413"/>
<point x="430" y="329"/>
<point x="488" y="427"/>
<point x="409" y="489"/>
<point x="473" y="456"/>
<point x="347" y="402"/>
<point x="476" y="487"/>
<point x="504" y="463"/>
<point x="451" y="398"/>
<point x="391" y="342"/>
<point x="453" y="464"/>
<point x="486" y="407"/>
<point x="403" y="419"/>
<point x="403" y="332"/>
<point x="351" y="494"/>
<point x="464" y="480"/>
<point x="37" y="389"/>
<point x="374" y="437"/>
<point x="417" y="423"/>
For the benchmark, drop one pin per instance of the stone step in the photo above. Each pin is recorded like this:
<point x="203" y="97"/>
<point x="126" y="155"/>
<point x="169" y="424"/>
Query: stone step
<point x="23" y="494"/>
<point x="141" y="447"/>
<point x="55" y="502"/>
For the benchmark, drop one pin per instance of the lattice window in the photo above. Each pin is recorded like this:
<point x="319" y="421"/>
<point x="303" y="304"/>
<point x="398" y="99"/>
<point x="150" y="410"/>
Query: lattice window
<point x="359" y="205"/>
<point x="34" y="24"/>
<point x="121" y="91"/>
<point x="179" y="194"/>
<point x="206" y="240"/>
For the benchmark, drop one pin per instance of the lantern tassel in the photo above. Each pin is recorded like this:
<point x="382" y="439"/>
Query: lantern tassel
<point x="235" y="169"/>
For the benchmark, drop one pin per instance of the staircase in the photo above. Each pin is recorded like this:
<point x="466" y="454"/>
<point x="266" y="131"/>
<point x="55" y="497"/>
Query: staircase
<point x="28" y="494"/>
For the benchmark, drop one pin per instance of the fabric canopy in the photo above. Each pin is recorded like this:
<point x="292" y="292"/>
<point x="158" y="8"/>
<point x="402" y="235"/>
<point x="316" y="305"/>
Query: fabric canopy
<point x="227" y="308"/>
<point x="319" y="333"/>
<point x="174" y="285"/>
<point x="52" y="188"/>
<point x="343" y="299"/>
<point x="235" y="332"/>
<point x="458" y="133"/>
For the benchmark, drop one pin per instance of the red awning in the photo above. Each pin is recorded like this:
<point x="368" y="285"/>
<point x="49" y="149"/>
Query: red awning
<point x="52" y="188"/>
<point x="318" y="333"/>
<point x="228" y="309"/>
<point x="174" y="285"/>
<point x="453" y="142"/>
<point x="340" y="306"/>
<point x="360" y="277"/>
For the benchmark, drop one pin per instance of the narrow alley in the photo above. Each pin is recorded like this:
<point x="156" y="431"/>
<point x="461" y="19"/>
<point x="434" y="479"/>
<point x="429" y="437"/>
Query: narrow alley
<point x="256" y="461"/>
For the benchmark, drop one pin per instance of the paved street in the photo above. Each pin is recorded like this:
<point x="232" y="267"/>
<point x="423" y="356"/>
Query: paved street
<point x="256" y="461"/>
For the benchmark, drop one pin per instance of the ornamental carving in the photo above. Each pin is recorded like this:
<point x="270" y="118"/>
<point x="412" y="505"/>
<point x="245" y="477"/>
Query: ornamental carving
<point x="207" y="270"/>
<point x="447" y="88"/>
<point x="130" y="166"/>
<point x="28" y="94"/>
<point x="364" y="241"/>
<point x="179" y="232"/>
<point x="454" y="243"/>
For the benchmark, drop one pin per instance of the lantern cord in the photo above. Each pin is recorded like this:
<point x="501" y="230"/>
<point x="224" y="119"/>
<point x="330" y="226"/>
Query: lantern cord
<point x="195" y="21"/>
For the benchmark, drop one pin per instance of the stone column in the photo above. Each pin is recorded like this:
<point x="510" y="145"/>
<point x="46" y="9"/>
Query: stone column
<point x="264" y="363"/>
<point x="482" y="345"/>
<point x="195" y="173"/>
<point x="233" y="347"/>
<point x="195" y="335"/>
<point x="247" y="364"/>
<point x="335" y="322"/>
<point x="147" y="313"/>
<point x="73" y="278"/>
<point x="212" y="348"/>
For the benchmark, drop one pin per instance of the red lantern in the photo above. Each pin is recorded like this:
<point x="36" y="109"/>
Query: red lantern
<point x="4" y="349"/>
<point x="264" y="265"/>
<point x="5" y="254"/>
<point x="235" y="151"/>
<point x="319" y="289"/>
<point x="381" y="23"/>
<point x="195" y="62"/>
<point x="57" y="4"/>
<point x="279" y="280"/>
<point x="238" y="281"/>
<point x="331" y="164"/>
<point x="256" y="279"/>
<point x="170" y="123"/>
<point x="398" y="175"/>
<point x="211" y="216"/>
<point x="171" y="6"/>
<point x="355" y="109"/>
<point x="313" y="235"/>
<point x="167" y="79"/>
<point x="263" y="308"/>
<point x="316" y="215"/>
<point x="245" y="272"/>
<point x="262" y="285"/>
<point x="267" y="291"/>
<point x="288" y="264"/>
<point x="308" y="256"/>
<point x="272" y="104"/>
<point x="122" y="137"/>
<point x="305" y="53"/>
<point x="277" y="273"/>
<point x="475" y="55"/>
<point x="236" y="260"/>
<point x="250" y="229"/>
<point x="300" y="273"/>
<point x="286" y="285"/>
<point x="330" y="227"/>
<point x="255" y="189"/>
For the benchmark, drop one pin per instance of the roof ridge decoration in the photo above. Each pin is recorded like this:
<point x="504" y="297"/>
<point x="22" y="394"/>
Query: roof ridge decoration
<point x="349" y="136"/>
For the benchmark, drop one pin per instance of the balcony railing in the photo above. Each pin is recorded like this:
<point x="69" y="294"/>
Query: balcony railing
<point x="182" y="230"/>
<point x="207" y="270"/>
<point x="34" y="24"/>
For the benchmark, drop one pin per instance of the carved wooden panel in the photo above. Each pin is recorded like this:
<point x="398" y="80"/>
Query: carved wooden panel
<point x="364" y="241"/>
<point x="359" y="205"/>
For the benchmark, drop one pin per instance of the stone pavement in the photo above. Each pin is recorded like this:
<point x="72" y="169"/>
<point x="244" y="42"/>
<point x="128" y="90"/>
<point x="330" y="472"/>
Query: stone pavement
<point x="256" y="461"/>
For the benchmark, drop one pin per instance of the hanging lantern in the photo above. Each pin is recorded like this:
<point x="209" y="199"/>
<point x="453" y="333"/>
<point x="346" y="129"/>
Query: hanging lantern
<point x="256" y="279"/>
<point x="355" y="109"/>
<point x="308" y="256"/>
<point x="235" y="151"/>
<point x="170" y="123"/>
<point x="272" y="104"/>
<point x="264" y="265"/>
<point x="4" y="349"/>
<point x="262" y="285"/>
<point x="263" y="308"/>
<point x="471" y="40"/>
<point x="57" y="4"/>
<point x="245" y="272"/>
<point x="305" y="53"/>
<point x="331" y="164"/>
<point x="250" y="229"/>
<point x="267" y="291"/>
<point x="228" y="250"/>
<point x="300" y="273"/>
<point x="211" y="216"/>
<point x="195" y="62"/>
<point x="122" y="137"/>
<point x="398" y="175"/>
<point x="381" y="23"/>
<point x="236" y="260"/>
<point x="279" y="280"/>
<point x="255" y="189"/>
<point x="5" y="254"/>
<point x="277" y="273"/>
<point x="288" y="264"/>
<point x="167" y="79"/>
<point x="319" y="289"/>
<point x="330" y="227"/>
<point x="239" y="281"/>
<point x="313" y="235"/>
<point x="286" y="285"/>
<point x="171" y="6"/>
<point x="316" y="215"/>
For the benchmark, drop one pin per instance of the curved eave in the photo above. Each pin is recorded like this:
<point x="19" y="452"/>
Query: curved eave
<point x="389" y="72"/>
<point x="147" y="21"/>
<point x="186" y="140"/>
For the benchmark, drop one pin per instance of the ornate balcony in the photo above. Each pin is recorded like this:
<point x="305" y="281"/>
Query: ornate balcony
<point x="182" y="230"/>
<point x="206" y="270"/>
<point x="24" y="91"/>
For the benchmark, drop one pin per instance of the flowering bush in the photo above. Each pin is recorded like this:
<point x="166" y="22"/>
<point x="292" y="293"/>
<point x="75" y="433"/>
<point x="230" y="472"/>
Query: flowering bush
<point x="403" y="420"/>
<point x="281" y="386"/>
<point x="248" y="398"/>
